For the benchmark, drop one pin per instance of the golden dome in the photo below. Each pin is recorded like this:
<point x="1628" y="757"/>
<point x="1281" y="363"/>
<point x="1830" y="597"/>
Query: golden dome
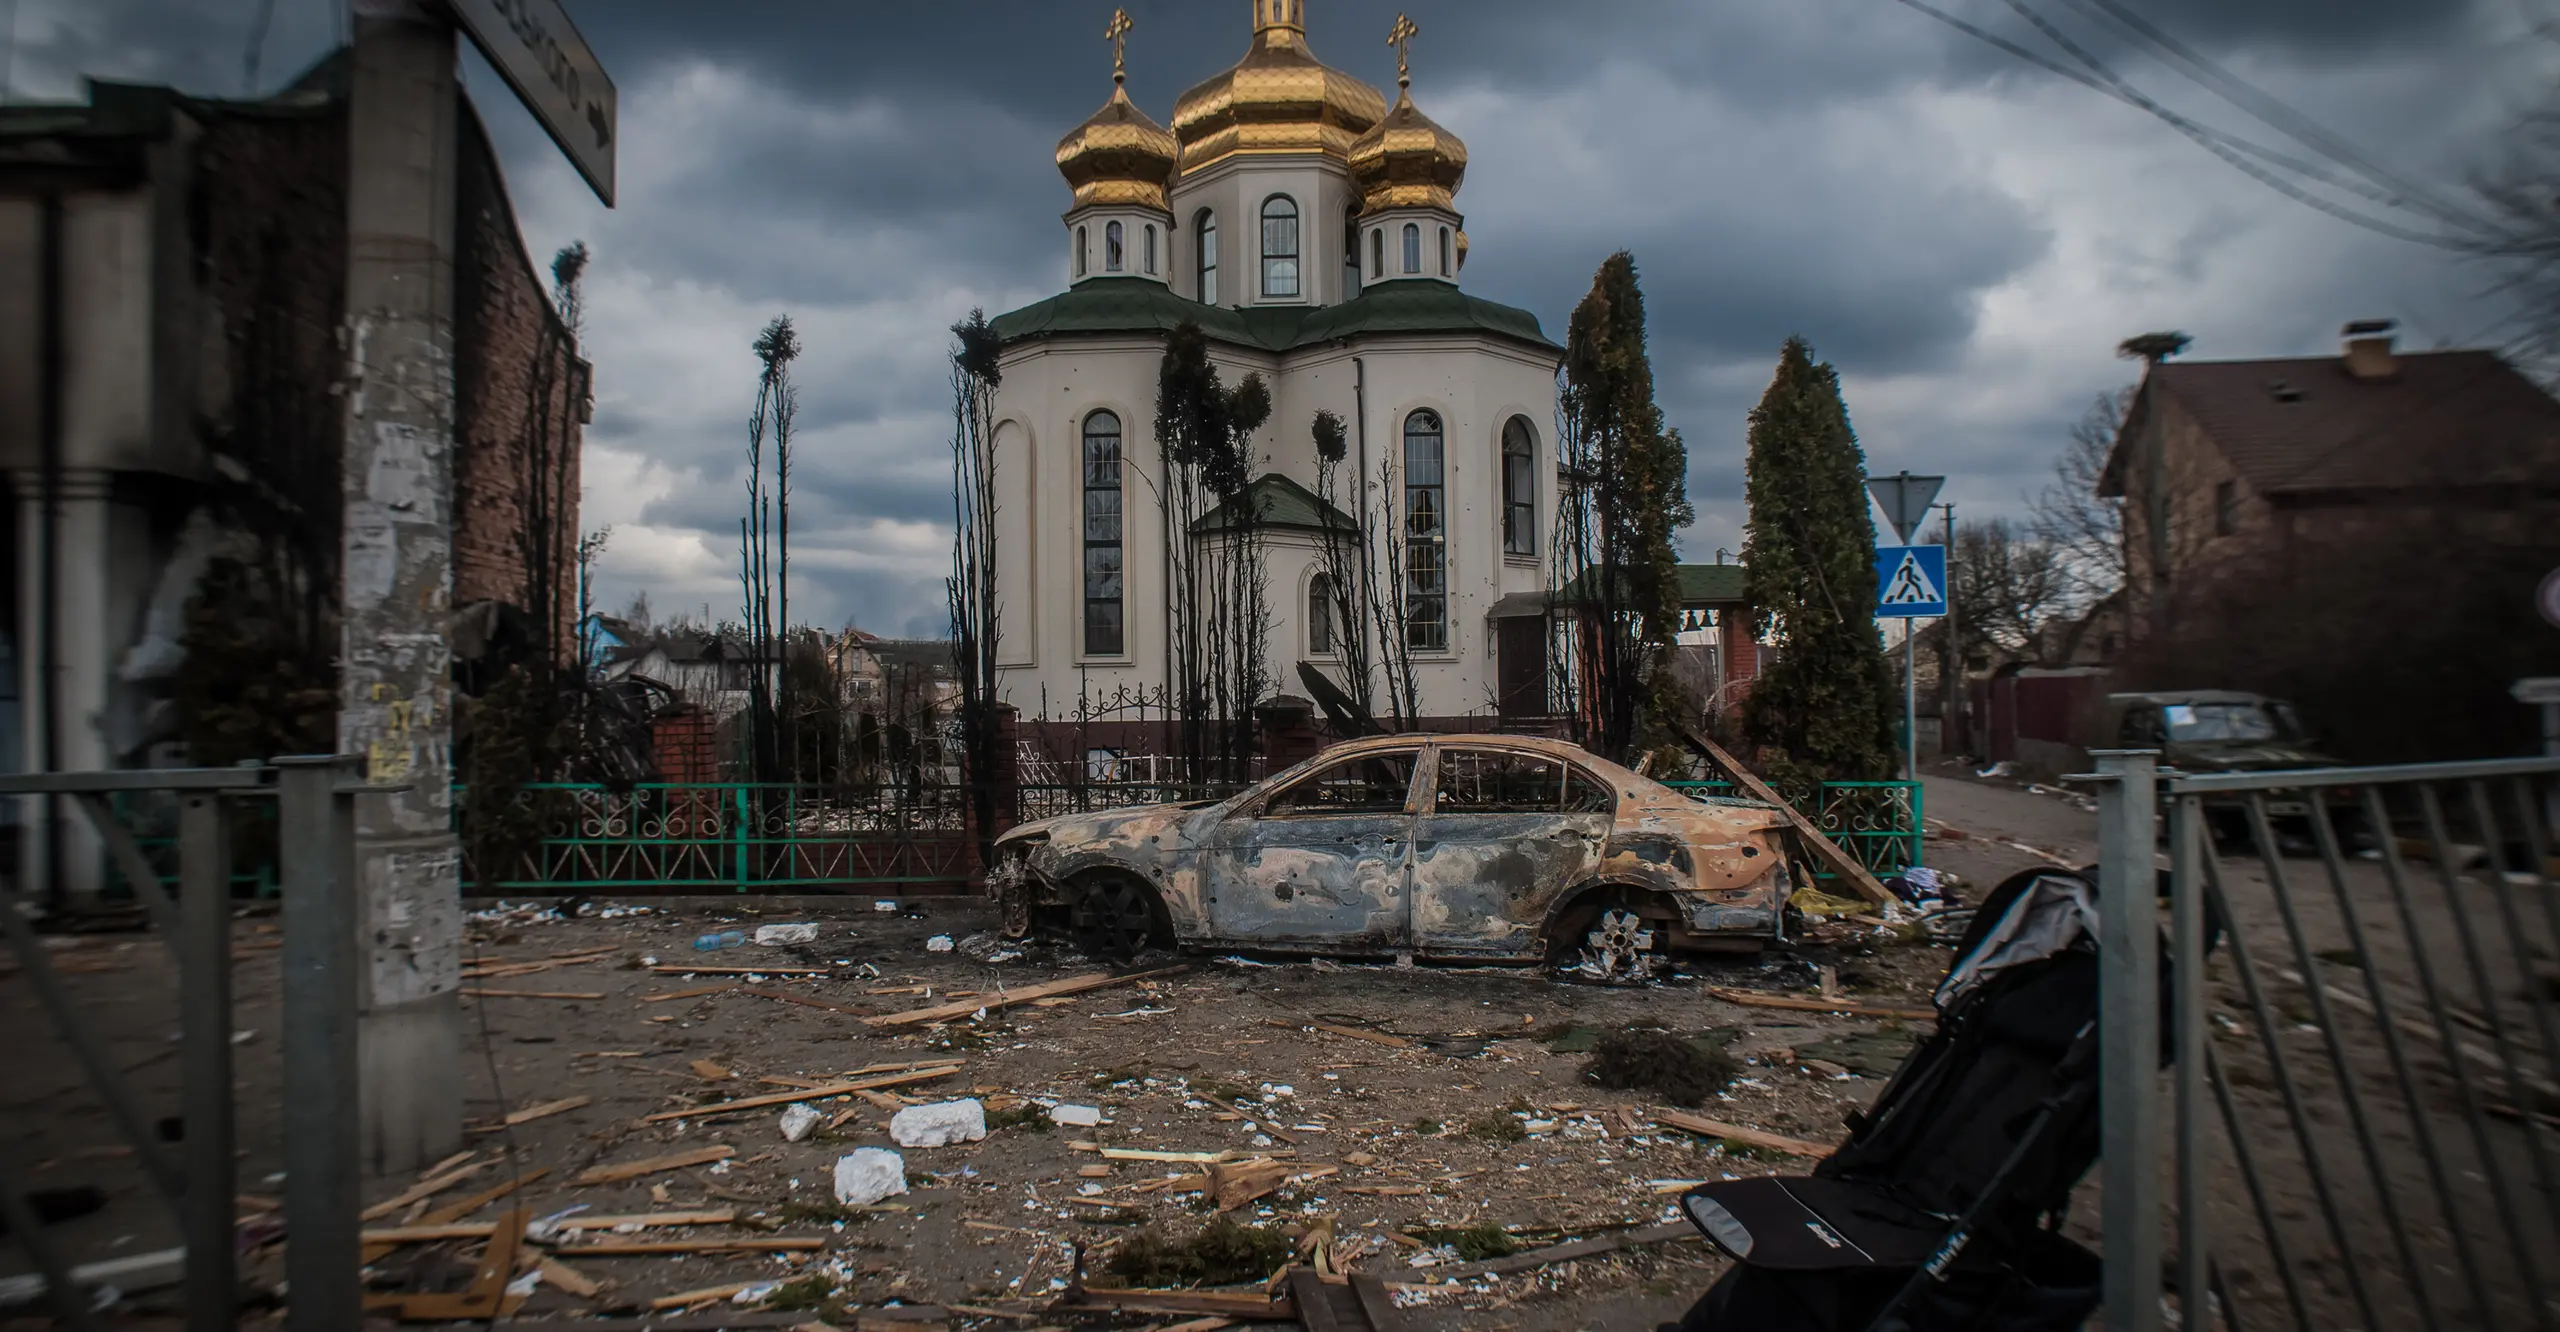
<point x="1407" y="160"/>
<point x="1278" y="99"/>
<point x="1119" y="155"/>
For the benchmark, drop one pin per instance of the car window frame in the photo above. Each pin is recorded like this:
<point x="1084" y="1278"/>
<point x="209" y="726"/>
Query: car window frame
<point x="1259" y="808"/>
<point x="1429" y="807"/>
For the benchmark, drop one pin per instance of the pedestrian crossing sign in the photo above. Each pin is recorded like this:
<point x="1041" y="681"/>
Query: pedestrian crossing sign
<point x="1911" y="581"/>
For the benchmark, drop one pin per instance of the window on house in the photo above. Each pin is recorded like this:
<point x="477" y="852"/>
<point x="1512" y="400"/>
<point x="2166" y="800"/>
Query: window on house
<point x="1279" y="246"/>
<point x="1103" y="632"/>
<point x="1111" y="247"/>
<point x="1412" y="248"/>
<point x="1151" y="247"/>
<point x="1082" y="250"/>
<point x="1320" y="615"/>
<point x="2226" y="508"/>
<point x="1519" y="488"/>
<point x="1377" y="254"/>
<point x="1426" y="535"/>
<point x="1446" y="268"/>
<point x="1205" y="225"/>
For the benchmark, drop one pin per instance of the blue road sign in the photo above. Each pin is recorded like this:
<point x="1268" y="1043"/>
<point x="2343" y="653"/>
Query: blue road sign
<point x="1911" y="581"/>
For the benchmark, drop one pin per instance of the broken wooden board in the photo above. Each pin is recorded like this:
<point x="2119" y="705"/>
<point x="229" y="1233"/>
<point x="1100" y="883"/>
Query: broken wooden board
<point x="1247" y="1306"/>
<point x="695" y="993"/>
<point x="1360" y="1303"/>
<point x="652" y="1165"/>
<point x="460" y="1208"/>
<point x="1583" y="1248"/>
<point x="635" y="1248"/>
<point x="1805" y="1004"/>
<point x="472" y="992"/>
<point x="991" y="1002"/>
<point x="560" y="1274"/>
<point x="486" y="1297"/>
<point x="805" y="1001"/>
<point x="1355" y="1033"/>
<point x="1717" y="1128"/>
<point x="425" y="1188"/>
<point x="804" y="1094"/>
<point x="1840" y="862"/>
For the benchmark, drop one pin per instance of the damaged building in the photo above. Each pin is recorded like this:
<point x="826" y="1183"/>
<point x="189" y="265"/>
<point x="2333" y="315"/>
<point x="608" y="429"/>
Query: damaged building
<point x="172" y="297"/>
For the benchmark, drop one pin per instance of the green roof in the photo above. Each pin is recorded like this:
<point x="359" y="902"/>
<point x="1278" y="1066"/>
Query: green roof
<point x="1280" y="502"/>
<point x="1142" y="305"/>
<point x="1700" y="585"/>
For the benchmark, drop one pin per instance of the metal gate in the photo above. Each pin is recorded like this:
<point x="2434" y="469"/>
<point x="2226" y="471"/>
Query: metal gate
<point x="2363" y="967"/>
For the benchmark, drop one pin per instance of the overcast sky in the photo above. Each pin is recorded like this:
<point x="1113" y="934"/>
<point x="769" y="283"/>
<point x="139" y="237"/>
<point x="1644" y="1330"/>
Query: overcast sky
<point x="1965" y="236"/>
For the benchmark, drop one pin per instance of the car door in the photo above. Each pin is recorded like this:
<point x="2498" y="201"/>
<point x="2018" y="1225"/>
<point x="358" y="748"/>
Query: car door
<point x="1320" y="861"/>
<point x="1502" y="834"/>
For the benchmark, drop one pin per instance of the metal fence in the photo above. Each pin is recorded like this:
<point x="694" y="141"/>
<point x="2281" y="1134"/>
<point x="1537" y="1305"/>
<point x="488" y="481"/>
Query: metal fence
<point x="2360" y="1120"/>
<point x="315" y="818"/>
<point x="1877" y="822"/>
<point x="742" y="837"/>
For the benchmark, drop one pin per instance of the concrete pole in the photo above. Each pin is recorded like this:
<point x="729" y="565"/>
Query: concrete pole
<point x="395" y="682"/>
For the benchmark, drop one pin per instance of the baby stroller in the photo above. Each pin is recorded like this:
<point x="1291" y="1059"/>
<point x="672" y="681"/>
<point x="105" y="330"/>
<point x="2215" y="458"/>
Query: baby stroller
<point x="1942" y="1210"/>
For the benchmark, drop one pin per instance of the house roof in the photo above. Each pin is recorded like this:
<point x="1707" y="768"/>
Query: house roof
<point x="2305" y="424"/>
<point x="1142" y="305"/>
<point x="1278" y="502"/>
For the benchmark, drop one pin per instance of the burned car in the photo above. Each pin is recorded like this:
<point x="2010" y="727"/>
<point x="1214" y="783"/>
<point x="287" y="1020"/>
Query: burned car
<point x="1459" y="847"/>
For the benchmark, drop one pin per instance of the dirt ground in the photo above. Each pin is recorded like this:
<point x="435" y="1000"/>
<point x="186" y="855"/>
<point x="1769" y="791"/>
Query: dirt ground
<point x="1476" y="1122"/>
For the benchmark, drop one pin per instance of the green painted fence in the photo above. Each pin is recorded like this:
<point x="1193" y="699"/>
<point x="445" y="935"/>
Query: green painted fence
<point x="1877" y="822"/>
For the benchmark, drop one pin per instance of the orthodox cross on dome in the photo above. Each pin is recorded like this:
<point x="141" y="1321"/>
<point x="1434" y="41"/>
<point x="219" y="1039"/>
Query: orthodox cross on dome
<point x="1118" y="34"/>
<point x="1401" y="38"/>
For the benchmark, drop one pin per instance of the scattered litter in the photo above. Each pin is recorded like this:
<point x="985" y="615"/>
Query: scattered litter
<point x="712" y="943"/>
<point x="989" y="948"/>
<point x="1243" y="962"/>
<point x="769" y="935"/>
<point x="868" y="1174"/>
<point x="1075" y="1116"/>
<point x="939" y="1124"/>
<point x="2003" y="768"/>
<point x="543" y="1230"/>
<point x="884" y="905"/>
<point x="799" y="1121"/>
<point x="757" y="1293"/>
<point x="940" y="943"/>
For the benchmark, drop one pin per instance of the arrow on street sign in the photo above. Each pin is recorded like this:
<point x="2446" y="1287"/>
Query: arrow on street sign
<point x="540" y="54"/>
<point x="1911" y="581"/>
<point x="1905" y="500"/>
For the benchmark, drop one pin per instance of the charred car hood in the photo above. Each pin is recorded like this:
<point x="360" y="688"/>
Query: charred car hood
<point x="1134" y="823"/>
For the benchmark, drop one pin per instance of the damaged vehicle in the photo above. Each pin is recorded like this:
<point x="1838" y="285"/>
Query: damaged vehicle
<point x="1487" y="848"/>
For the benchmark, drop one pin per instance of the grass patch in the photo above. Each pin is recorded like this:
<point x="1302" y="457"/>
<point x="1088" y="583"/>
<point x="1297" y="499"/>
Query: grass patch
<point x="1222" y="1253"/>
<point x="1475" y="1243"/>
<point x="1028" y="1115"/>
<point x="1495" y="1128"/>
<point x="1426" y="1128"/>
<point x="1682" y="1071"/>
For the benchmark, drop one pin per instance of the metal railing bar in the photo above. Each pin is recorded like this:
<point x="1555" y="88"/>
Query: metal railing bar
<point x="69" y="1301"/>
<point x="2519" y="1083"/>
<point x="2263" y="829"/>
<point x="206" y="1106"/>
<point x="2221" y="1296"/>
<point x="245" y="780"/>
<point x="2439" y="1006"/>
<point x="2189" y="1044"/>
<point x="136" y="866"/>
<point x="2333" y="858"/>
<point x="2521" y="1086"/>
<point x="2248" y="1162"/>
<point x="2291" y="1093"/>
<point x="109" y="1084"/>
<point x="2208" y="783"/>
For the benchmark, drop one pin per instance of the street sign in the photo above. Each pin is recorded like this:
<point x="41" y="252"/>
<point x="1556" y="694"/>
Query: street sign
<point x="1911" y="581"/>
<point x="2548" y="597"/>
<point x="2537" y="690"/>
<point x="540" y="54"/>
<point x="1905" y="500"/>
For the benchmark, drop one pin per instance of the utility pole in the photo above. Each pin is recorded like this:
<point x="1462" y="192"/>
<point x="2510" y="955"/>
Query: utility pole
<point x="395" y="688"/>
<point x="1950" y="652"/>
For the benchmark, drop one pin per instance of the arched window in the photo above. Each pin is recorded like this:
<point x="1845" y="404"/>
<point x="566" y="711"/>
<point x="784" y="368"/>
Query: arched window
<point x="1151" y="247"/>
<point x="1519" y="487"/>
<point x="1102" y="588"/>
<point x="1377" y="254"/>
<point x="1204" y="224"/>
<point x="1426" y="535"/>
<point x="1320" y="615"/>
<point x="1082" y="250"/>
<point x="1279" y="246"/>
<point x="1412" y="248"/>
<point x="1111" y="247"/>
<point x="1445" y="269"/>
<point x="1351" y="252"/>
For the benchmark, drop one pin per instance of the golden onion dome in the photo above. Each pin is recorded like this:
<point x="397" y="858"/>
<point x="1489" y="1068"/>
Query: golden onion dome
<point x="1407" y="161"/>
<point x="1118" y="155"/>
<point x="1278" y="99"/>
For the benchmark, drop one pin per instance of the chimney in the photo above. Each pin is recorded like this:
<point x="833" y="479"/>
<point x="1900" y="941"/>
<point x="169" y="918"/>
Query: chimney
<point x="2368" y="355"/>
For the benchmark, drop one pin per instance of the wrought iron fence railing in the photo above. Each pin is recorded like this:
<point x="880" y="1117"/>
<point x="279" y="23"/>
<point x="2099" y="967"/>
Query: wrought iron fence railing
<point x="667" y="837"/>
<point x="1879" y="823"/>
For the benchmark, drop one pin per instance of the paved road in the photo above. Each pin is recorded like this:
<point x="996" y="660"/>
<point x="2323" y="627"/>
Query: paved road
<point x="1986" y="813"/>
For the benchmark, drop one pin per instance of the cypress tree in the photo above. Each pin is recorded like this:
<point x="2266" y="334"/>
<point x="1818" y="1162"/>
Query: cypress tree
<point x="1825" y="707"/>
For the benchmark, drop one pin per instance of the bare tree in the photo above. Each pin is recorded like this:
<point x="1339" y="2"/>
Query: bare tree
<point x="2521" y="194"/>
<point x="2011" y="585"/>
<point x="775" y="348"/>
<point x="975" y="612"/>
<point x="2085" y="529"/>
<point x="1343" y="559"/>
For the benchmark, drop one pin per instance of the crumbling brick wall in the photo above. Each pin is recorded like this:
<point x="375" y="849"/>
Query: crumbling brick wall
<point x="520" y="393"/>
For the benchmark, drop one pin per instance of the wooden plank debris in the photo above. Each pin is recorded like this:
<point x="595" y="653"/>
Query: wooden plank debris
<point x="695" y="993"/>
<point x="640" y="1248"/>
<point x="560" y="1274"/>
<point x="652" y="1165"/>
<point x="1717" y="1128"/>
<point x="475" y="992"/>
<point x="1802" y="1004"/>
<point x="685" y="1299"/>
<point x="1583" y="1248"/>
<point x="964" y="1008"/>
<point x="804" y="1094"/>
<point x="709" y="1071"/>
<point x="1259" y="1308"/>
<point x="425" y="1188"/>
<point x="485" y="1297"/>
<point x="1355" y="1033"/>
<point x="805" y="1001"/>
<point x="691" y="970"/>
<point x="458" y="1209"/>
<point x="1821" y="847"/>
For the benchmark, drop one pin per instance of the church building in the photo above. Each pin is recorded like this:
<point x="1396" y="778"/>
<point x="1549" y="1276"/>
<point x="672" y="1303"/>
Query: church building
<point x="1312" y="232"/>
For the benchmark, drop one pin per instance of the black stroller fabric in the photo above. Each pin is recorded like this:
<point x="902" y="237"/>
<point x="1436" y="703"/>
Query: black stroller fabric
<point x="1994" y="1116"/>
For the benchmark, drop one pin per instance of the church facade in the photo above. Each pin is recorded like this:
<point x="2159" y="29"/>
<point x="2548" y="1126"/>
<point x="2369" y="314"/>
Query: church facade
<point x="1311" y="231"/>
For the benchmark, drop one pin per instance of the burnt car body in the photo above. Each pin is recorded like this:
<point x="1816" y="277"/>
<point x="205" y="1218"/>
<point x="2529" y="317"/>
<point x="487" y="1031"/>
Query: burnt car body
<point x="1460" y="847"/>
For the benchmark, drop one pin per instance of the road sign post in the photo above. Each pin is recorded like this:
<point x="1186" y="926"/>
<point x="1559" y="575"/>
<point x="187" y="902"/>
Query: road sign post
<point x="1911" y="582"/>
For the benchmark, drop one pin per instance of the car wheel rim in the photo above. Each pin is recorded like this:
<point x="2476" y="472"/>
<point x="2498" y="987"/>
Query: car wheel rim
<point x="1114" y="920"/>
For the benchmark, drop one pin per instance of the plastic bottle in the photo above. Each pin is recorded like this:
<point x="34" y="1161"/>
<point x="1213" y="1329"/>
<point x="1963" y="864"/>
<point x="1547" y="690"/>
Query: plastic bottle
<point x="724" y="939"/>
